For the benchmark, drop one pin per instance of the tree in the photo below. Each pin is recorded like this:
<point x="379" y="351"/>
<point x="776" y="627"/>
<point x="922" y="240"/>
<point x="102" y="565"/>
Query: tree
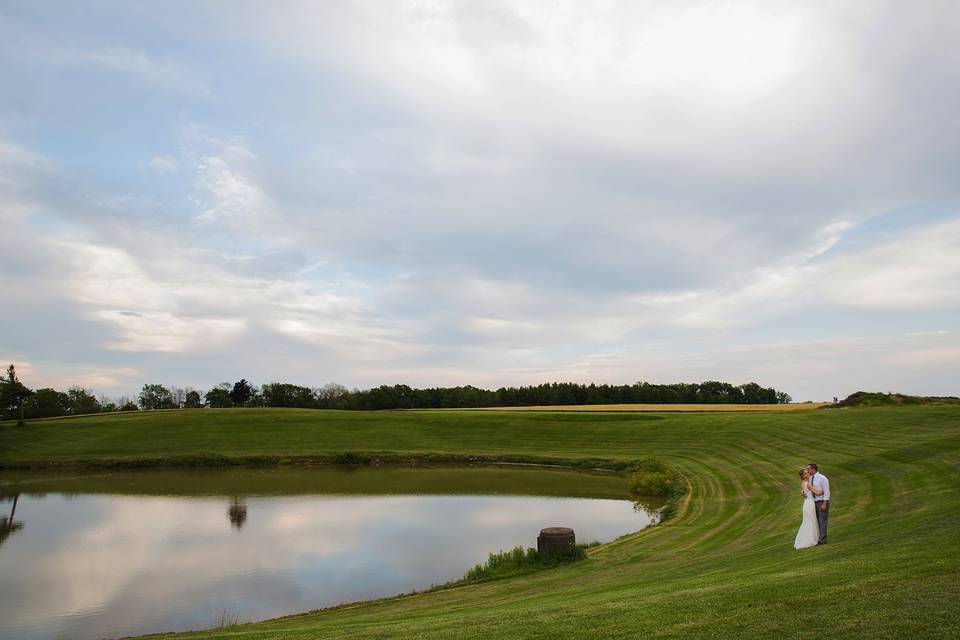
<point x="80" y="401"/>
<point x="13" y="396"/>
<point x="280" y="394"/>
<point x="178" y="396"/>
<point x="46" y="403"/>
<point x="256" y="398"/>
<point x="219" y="396"/>
<point x="331" y="391"/>
<point x="107" y="405"/>
<point x="331" y="396"/>
<point x="192" y="400"/>
<point x="129" y="405"/>
<point x="155" y="396"/>
<point x="241" y="392"/>
<point x="783" y="397"/>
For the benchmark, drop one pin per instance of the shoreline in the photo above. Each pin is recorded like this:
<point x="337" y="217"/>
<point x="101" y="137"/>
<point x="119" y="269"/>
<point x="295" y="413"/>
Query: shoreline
<point x="374" y="459"/>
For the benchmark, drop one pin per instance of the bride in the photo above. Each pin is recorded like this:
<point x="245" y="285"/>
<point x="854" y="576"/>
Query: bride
<point x="809" y="532"/>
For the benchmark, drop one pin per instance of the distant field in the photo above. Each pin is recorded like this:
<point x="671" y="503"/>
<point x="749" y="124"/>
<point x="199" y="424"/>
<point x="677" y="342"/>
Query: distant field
<point x="662" y="408"/>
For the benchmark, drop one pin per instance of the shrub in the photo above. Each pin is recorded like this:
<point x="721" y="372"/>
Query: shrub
<point x="520" y="560"/>
<point x="652" y="477"/>
<point x="651" y="483"/>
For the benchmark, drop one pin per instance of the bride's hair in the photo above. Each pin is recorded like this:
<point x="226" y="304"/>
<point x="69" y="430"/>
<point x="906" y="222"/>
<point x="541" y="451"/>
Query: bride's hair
<point x="803" y="470"/>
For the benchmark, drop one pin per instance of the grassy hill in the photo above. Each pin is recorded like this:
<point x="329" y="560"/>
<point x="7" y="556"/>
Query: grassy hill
<point x="723" y="567"/>
<point x="875" y="399"/>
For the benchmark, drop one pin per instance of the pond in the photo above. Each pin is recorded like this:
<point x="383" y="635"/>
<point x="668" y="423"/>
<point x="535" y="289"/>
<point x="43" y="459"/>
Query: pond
<point x="93" y="554"/>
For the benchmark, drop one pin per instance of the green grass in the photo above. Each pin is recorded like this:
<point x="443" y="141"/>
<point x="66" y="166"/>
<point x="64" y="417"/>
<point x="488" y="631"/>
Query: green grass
<point x="723" y="566"/>
<point x="517" y="561"/>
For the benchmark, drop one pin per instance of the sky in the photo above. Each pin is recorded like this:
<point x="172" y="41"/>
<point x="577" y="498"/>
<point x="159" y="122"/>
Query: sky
<point x="488" y="193"/>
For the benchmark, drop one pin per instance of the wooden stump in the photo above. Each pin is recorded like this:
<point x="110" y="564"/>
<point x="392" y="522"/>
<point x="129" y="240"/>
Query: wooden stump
<point x="556" y="541"/>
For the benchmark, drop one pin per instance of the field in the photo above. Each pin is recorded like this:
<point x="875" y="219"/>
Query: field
<point x="668" y="408"/>
<point x="723" y="567"/>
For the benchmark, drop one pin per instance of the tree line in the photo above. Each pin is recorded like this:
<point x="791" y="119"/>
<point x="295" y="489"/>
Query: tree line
<point x="19" y="402"/>
<point x="557" y="393"/>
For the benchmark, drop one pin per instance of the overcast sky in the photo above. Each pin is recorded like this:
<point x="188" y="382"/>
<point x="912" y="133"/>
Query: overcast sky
<point x="481" y="193"/>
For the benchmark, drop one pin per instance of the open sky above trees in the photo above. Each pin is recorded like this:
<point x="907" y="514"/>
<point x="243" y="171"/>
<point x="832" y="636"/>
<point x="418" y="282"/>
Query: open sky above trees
<point x="481" y="193"/>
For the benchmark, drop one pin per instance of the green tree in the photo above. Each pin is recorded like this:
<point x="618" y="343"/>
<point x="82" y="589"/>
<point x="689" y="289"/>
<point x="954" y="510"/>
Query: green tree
<point x="279" y="394"/>
<point x="192" y="400"/>
<point x="155" y="396"/>
<point x="80" y="401"/>
<point x="241" y="392"/>
<point x="13" y="396"/>
<point x="46" y="403"/>
<point x="219" y="396"/>
<point x="783" y="397"/>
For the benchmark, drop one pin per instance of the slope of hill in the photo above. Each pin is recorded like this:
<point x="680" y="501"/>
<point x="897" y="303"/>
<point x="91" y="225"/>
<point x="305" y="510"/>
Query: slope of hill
<point x="876" y="399"/>
<point x="724" y="566"/>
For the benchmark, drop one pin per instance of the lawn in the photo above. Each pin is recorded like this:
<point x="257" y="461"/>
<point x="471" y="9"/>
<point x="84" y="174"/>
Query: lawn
<point x="665" y="408"/>
<point x="723" y="567"/>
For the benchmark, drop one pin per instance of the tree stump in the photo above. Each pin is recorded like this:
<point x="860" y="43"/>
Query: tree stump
<point x="556" y="541"/>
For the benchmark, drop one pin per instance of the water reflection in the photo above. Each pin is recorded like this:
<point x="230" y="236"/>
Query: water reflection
<point x="237" y="513"/>
<point x="9" y="526"/>
<point x="99" y="564"/>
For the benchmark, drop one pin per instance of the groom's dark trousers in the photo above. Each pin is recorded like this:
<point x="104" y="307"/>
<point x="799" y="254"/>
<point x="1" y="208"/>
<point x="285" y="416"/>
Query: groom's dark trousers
<point x="822" y="516"/>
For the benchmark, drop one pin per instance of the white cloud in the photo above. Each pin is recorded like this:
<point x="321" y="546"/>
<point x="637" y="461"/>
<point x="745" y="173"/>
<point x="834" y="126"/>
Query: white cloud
<point x="59" y="375"/>
<point x="188" y="304"/>
<point x="229" y="194"/>
<point x="109" y="276"/>
<point x="164" y="165"/>
<point x="917" y="270"/>
<point x="166" y="332"/>
<point x="645" y="76"/>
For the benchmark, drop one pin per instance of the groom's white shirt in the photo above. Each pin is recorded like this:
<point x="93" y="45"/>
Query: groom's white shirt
<point x="821" y="482"/>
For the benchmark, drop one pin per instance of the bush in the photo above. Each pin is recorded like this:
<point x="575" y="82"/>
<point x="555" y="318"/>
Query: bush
<point x="653" y="478"/>
<point x="520" y="560"/>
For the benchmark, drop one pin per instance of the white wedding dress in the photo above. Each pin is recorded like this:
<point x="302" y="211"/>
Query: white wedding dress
<point x="809" y="532"/>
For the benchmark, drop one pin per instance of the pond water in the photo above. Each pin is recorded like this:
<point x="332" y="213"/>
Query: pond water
<point x="111" y="554"/>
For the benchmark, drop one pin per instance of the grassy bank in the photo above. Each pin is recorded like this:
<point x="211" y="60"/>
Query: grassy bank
<point x="664" y="408"/>
<point x="291" y="480"/>
<point x="723" y="566"/>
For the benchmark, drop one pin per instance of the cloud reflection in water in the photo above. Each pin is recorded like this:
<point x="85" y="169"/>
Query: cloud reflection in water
<point x="105" y="565"/>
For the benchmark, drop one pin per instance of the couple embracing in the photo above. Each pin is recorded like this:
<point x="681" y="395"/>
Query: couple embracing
<point x="815" y="488"/>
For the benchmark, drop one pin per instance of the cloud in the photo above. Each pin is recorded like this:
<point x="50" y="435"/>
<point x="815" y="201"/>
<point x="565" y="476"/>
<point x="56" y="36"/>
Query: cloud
<point x="164" y="165"/>
<point x="61" y="376"/>
<point x="190" y="304"/>
<point x="450" y="193"/>
<point x="228" y="194"/>
<point x="917" y="270"/>
<point x="586" y="148"/>
<point x="167" y="332"/>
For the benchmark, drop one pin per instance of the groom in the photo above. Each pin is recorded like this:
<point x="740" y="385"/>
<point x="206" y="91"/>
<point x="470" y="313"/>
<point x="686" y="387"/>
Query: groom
<point x="820" y="486"/>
